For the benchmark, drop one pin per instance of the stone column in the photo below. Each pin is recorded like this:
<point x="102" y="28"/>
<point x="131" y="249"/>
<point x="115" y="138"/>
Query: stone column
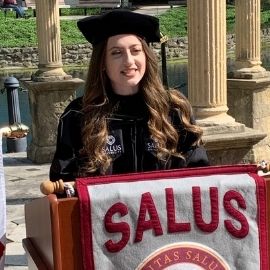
<point x="248" y="40"/>
<point x="49" y="42"/>
<point x="207" y="86"/>
<point x="249" y="82"/>
<point x="226" y="141"/>
<point x="50" y="89"/>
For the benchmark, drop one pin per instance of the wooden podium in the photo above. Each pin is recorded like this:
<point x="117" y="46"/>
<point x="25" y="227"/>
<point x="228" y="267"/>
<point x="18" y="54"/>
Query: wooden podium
<point x="53" y="233"/>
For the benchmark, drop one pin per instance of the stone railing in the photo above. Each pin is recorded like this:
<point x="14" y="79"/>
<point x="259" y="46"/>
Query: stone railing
<point x="79" y="55"/>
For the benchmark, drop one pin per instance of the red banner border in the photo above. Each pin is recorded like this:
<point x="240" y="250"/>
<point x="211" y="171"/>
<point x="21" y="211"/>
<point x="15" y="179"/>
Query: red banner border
<point x="86" y="224"/>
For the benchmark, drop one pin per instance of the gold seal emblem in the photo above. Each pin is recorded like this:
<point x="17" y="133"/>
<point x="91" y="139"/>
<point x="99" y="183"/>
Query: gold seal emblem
<point x="184" y="256"/>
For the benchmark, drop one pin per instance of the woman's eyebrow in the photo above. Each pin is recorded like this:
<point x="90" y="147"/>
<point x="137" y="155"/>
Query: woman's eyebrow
<point x="120" y="47"/>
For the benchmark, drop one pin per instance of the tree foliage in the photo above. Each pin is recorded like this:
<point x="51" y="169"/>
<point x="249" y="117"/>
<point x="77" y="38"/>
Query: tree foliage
<point x="265" y="4"/>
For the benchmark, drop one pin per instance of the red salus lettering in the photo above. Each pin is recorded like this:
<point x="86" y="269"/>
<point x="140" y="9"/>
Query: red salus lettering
<point x="173" y="226"/>
<point x="148" y="218"/>
<point x="147" y="206"/>
<point x="121" y="227"/>
<point x="197" y="208"/>
<point x="228" y="197"/>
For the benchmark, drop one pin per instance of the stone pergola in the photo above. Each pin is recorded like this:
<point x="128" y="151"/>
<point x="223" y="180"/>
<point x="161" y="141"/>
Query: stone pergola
<point x="248" y="84"/>
<point x="229" y="138"/>
<point x="50" y="89"/>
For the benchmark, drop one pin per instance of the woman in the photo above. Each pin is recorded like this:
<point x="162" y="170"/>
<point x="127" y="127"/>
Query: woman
<point x="126" y="121"/>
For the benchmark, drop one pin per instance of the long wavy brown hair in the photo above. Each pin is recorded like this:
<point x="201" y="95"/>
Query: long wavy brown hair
<point x="96" y="108"/>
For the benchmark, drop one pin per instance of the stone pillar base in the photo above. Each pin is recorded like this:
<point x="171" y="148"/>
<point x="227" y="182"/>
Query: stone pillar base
<point x="249" y="103"/>
<point x="47" y="102"/>
<point x="231" y="144"/>
<point x="48" y="74"/>
<point x="222" y="119"/>
<point x="249" y="73"/>
<point x="40" y="154"/>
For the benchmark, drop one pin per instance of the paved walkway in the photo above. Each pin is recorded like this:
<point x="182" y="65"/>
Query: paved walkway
<point x="23" y="179"/>
<point x="150" y="10"/>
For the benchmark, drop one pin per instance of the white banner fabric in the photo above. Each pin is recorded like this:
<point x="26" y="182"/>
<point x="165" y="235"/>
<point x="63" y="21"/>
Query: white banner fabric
<point x="130" y="220"/>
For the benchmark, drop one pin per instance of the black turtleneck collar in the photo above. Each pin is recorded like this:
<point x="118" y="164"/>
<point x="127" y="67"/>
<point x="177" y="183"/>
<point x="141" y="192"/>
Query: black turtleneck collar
<point x="130" y="106"/>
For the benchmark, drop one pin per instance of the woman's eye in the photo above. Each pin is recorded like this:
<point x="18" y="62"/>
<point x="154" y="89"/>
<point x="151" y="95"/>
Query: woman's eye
<point x="137" y="50"/>
<point x="116" y="52"/>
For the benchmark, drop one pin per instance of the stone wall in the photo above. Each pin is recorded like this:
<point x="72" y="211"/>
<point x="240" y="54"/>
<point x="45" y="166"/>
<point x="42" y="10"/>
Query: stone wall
<point x="74" y="55"/>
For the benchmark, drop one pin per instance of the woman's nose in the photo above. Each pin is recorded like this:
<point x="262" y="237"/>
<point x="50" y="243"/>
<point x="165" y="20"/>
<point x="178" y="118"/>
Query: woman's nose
<point x="129" y="59"/>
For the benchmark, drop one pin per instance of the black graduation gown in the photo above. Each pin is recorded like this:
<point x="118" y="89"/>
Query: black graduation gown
<point x="129" y="143"/>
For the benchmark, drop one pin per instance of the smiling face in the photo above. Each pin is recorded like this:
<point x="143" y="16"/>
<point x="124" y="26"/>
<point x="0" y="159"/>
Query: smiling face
<point x="125" y="63"/>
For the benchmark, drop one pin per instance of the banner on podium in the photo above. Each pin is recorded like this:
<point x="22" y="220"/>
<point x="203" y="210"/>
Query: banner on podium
<point x="210" y="218"/>
<point x="2" y="210"/>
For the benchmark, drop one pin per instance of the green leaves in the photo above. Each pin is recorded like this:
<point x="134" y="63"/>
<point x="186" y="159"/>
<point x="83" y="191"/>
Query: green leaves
<point x="173" y="23"/>
<point x="17" y="32"/>
<point x="70" y="33"/>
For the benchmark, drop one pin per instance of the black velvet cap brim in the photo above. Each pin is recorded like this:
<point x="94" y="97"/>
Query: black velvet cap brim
<point x="120" y="21"/>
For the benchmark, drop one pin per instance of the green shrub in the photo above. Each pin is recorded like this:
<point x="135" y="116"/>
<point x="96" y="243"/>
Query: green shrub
<point x="22" y="32"/>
